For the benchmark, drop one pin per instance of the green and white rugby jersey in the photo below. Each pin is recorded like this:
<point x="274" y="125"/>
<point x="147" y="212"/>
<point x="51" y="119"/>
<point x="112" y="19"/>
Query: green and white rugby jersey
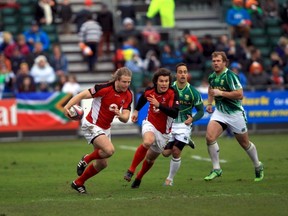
<point x="226" y="81"/>
<point x="188" y="98"/>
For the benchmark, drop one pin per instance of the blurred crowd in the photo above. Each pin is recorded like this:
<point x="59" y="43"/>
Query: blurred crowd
<point x="30" y="63"/>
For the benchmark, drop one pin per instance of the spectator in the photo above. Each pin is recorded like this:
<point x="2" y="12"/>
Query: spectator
<point x="151" y="62"/>
<point x="34" y="35"/>
<point x="129" y="30"/>
<point x="135" y="64"/>
<point x="238" y="18"/>
<point x="105" y="20"/>
<point x="58" y="60"/>
<point x="277" y="78"/>
<point x="235" y="52"/>
<point x="256" y="14"/>
<point x="237" y="69"/>
<point x="222" y="43"/>
<point x="208" y="46"/>
<point x="37" y="51"/>
<point x="126" y="9"/>
<point x="7" y="39"/>
<point x="275" y="60"/>
<point x="20" y="45"/>
<point x="90" y="35"/>
<point x="187" y="39"/>
<point x="7" y="77"/>
<point x="43" y="74"/>
<point x="71" y="86"/>
<point x="45" y="11"/>
<point x="270" y="8"/>
<point x="129" y="48"/>
<point x="150" y="44"/>
<point x="170" y="57"/>
<point x="150" y="30"/>
<point x="258" y="79"/>
<point x="280" y="47"/>
<point x="81" y="16"/>
<point x="60" y="81"/>
<point x="24" y="81"/>
<point x="193" y="57"/>
<point x="283" y="12"/>
<point x="16" y="59"/>
<point x="166" y="10"/>
<point x="65" y="11"/>
<point x="256" y="56"/>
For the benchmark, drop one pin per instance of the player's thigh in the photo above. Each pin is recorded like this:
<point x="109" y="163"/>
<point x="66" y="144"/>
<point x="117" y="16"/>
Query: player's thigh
<point x="214" y="130"/>
<point x="104" y="143"/>
<point x="148" y="138"/>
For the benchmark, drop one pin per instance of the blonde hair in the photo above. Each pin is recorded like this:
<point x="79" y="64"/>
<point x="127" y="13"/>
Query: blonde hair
<point x="123" y="71"/>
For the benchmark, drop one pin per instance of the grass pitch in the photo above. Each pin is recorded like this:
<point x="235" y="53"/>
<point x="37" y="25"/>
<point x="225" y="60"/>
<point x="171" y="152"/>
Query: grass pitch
<point x="35" y="179"/>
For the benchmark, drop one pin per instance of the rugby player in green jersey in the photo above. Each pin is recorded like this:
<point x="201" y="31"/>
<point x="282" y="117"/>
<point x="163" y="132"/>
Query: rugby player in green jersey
<point x="189" y="98"/>
<point x="226" y="90"/>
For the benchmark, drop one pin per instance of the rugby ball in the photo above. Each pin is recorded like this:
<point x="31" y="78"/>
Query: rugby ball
<point x="76" y="112"/>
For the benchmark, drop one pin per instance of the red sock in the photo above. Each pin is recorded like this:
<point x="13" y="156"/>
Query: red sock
<point x="89" y="172"/>
<point x="92" y="156"/>
<point x="138" y="157"/>
<point x="145" y="167"/>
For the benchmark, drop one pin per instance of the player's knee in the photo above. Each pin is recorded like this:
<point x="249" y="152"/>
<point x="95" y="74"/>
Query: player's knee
<point x="109" y="152"/>
<point x="166" y="153"/>
<point x="210" y="138"/>
<point x="102" y="164"/>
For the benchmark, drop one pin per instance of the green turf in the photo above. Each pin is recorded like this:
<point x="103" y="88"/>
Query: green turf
<point x="35" y="180"/>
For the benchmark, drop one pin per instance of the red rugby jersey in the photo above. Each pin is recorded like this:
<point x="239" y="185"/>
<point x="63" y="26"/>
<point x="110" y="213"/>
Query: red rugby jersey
<point x="105" y="100"/>
<point x="158" y="116"/>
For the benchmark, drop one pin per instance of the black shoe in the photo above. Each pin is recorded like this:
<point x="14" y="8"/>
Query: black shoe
<point x="191" y="143"/>
<point x="81" y="166"/>
<point x="128" y="175"/>
<point x="136" y="183"/>
<point x="80" y="189"/>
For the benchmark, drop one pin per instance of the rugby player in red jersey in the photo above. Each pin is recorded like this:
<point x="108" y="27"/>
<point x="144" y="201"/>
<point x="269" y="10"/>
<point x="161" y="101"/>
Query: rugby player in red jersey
<point x="163" y="108"/>
<point x="112" y="99"/>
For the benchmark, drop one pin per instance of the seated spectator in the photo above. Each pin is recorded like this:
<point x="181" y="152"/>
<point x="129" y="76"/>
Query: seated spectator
<point x="150" y="44"/>
<point x="193" y="57"/>
<point x="7" y="77"/>
<point x="7" y="39"/>
<point x="283" y="11"/>
<point x="150" y="30"/>
<point x="60" y="81"/>
<point x="16" y="59"/>
<point x="43" y="74"/>
<point x="256" y="14"/>
<point x="135" y="64"/>
<point x="270" y="8"/>
<point x="37" y="51"/>
<point x="24" y="81"/>
<point x="277" y="79"/>
<point x="71" y="86"/>
<point x="151" y="62"/>
<point x="238" y="18"/>
<point x="255" y="56"/>
<point x="258" y="79"/>
<point x="34" y="35"/>
<point x="20" y="45"/>
<point x="237" y="69"/>
<point x="129" y="48"/>
<point x="208" y="46"/>
<point x="129" y="30"/>
<point x="235" y="52"/>
<point x="276" y="60"/>
<point x="58" y="60"/>
<point x="280" y="47"/>
<point x="222" y="43"/>
<point x="187" y="39"/>
<point x="170" y="57"/>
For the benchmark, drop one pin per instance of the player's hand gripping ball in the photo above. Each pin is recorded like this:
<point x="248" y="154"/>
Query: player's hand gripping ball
<point x="76" y="112"/>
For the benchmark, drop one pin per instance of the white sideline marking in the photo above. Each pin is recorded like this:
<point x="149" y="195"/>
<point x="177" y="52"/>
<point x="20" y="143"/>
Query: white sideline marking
<point x="128" y="148"/>
<point x="197" y="157"/>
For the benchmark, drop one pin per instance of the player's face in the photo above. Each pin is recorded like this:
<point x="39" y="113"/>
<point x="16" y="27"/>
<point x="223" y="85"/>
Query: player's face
<point x="218" y="64"/>
<point x="182" y="74"/>
<point x="162" y="84"/>
<point x="123" y="84"/>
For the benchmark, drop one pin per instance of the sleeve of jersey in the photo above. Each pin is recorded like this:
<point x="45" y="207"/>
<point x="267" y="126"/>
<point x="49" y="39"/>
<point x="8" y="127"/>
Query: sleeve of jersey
<point x="173" y="108"/>
<point x="98" y="90"/>
<point x="233" y="82"/>
<point x="141" y="102"/>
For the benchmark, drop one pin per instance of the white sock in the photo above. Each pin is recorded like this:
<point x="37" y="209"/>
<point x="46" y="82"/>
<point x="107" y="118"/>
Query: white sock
<point x="213" y="151"/>
<point x="175" y="164"/>
<point x="252" y="152"/>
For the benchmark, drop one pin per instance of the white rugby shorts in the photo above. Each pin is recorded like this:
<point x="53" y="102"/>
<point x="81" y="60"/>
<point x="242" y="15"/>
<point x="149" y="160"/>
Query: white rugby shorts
<point x="180" y="132"/>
